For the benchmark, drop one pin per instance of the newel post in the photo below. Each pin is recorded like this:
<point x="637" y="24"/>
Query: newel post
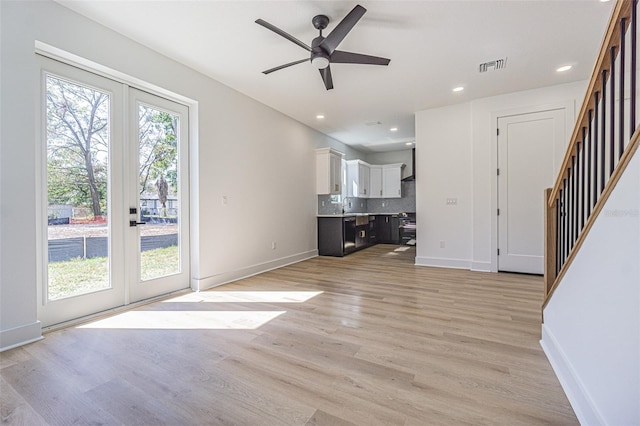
<point x="550" y="239"/>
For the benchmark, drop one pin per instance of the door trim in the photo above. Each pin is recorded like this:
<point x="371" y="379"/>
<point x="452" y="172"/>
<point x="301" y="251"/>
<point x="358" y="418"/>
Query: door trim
<point x="570" y="110"/>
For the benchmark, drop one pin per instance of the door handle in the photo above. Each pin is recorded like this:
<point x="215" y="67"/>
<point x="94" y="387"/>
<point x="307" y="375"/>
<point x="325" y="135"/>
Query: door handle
<point x="134" y="223"/>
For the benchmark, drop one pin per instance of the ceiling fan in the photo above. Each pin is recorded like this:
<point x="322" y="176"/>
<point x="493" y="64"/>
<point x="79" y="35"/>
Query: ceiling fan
<point x="323" y="49"/>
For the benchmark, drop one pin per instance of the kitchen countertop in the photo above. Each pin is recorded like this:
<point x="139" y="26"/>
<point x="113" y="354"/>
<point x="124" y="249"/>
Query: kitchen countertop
<point x="356" y="214"/>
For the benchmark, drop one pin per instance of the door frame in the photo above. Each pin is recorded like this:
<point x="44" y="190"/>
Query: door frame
<point x="570" y="113"/>
<point x="51" y="52"/>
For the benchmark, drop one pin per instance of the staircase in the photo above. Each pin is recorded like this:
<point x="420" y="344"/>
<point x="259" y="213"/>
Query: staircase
<point x="591" y="326"/>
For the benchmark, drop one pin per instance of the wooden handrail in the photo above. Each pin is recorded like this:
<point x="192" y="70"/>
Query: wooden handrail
<point x="622" y="9"/>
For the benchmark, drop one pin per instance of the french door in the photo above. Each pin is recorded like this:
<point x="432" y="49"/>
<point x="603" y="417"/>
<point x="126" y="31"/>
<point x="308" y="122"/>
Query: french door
<point x="115" y="198"/>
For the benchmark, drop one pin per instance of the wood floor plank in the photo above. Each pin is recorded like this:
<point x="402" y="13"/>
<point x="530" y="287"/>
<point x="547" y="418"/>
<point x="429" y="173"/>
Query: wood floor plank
<point x="368" y="339"/>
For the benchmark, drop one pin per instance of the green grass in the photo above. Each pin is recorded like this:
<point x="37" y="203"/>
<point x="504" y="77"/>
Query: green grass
<point x="159" y="262"/>
<point x="79" y="276"/>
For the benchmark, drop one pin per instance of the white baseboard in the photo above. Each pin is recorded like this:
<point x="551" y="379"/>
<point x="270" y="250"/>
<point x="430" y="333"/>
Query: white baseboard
<point x="443" y="262"/>
<point x="481" y="266"/>
<point x="581" y="402"/>
<point x="18" y="336"/>
<point x="198" y="284"/>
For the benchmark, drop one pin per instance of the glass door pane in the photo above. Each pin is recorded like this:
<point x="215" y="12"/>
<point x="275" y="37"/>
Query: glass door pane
<point x="158" y="187"/>
<point x="77" y="138"/>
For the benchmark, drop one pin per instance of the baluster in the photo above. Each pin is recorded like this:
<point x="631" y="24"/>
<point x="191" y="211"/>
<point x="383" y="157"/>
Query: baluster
<point x="589" y="164"/>
<point x="594" y="197"/>
<point x="566" y="218"/>
<point x="603" y="143"/>
<point x="583" y="219"/>
<point x="632" y="65"/>
<point x="558" y="233"/>
<point x="574" y="205"/>
<point x="612" y="104"/>
<point x="623" y="31"/>
<point x="576" y="196"/>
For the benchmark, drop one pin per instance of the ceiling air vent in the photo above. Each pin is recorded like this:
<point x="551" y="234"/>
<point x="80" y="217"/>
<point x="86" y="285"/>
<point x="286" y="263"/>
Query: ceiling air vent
<point x="373" y="123"/>
<point x="496" y="64"/>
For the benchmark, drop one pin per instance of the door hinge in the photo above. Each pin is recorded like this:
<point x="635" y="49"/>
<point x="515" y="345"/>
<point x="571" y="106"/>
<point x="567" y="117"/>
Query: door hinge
<point x="498" y="252"/>
<point x="498" y="212"/>
<point x="497" y="132"/>
<point x="498" y="172"/>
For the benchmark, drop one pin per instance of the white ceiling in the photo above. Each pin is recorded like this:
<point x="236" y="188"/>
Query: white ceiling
<point x="434" y="46"/>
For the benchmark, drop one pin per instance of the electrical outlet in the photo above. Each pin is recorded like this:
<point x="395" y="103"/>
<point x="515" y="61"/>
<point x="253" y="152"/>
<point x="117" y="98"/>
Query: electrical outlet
<point x="225" y="200"/>
<point x="383" y="204"/>
<point x="441" y="244"/>
<point x="273" y="245"/>
<point x="452" y="201"/>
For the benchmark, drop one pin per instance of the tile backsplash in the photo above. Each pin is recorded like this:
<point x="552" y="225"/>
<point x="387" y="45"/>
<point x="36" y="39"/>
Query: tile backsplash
<point x="371" y="205"/>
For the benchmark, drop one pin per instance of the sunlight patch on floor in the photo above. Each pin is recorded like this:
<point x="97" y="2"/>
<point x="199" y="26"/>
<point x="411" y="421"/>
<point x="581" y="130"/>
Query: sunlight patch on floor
<point x="403" y="248"/>
<point x="221" y="296"/>
<point x="186" y="320"/>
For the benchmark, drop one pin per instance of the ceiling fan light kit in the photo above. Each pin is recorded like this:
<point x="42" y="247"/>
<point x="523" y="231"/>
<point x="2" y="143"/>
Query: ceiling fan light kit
<point x="323" y="49"/>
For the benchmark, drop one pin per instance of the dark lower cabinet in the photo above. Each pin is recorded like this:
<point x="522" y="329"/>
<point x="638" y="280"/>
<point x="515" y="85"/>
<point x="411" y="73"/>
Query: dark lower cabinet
<point x="388" y="229"/>
<point x="338" y="236"/>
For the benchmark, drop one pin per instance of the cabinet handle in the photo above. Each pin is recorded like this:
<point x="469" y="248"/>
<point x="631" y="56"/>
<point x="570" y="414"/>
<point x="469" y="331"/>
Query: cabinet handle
<point x="381" y="192"/>
<point x="398" y="191"/>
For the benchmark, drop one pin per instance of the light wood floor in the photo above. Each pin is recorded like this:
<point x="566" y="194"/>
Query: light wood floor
<point x="379" y="341"/>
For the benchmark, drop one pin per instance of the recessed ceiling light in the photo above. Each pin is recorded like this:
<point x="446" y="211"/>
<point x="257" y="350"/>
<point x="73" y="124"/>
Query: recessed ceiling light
<point x="319" y="116"/>
<point x="564" y="68"/>
<point x="393" y="129"/>
<point x="458" y="89"/>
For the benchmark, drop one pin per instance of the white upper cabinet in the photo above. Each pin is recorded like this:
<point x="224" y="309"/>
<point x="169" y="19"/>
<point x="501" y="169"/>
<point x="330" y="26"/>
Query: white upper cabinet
<point x="358" y="179"/>
<point x="385" y="181"/>
<point x="328" y="171"/>
<point x="375" y="181"/>
<point x="391" y="180"/>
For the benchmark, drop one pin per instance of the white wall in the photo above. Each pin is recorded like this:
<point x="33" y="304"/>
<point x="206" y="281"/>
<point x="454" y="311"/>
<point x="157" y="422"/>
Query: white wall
<point x="443" y="163"/>
<point x="456" y="158"/>
<point x="591" y="330"/>
<point x="260" y="159"/>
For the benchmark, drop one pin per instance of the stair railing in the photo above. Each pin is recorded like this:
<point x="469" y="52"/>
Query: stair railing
<point x="603" y="142"/>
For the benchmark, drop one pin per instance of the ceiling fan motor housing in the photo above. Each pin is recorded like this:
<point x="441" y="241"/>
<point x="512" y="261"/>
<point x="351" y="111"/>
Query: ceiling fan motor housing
<point x="319" y="56"/>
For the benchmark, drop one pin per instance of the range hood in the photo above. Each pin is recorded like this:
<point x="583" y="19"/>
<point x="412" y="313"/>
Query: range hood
<point x="413" y="167"/>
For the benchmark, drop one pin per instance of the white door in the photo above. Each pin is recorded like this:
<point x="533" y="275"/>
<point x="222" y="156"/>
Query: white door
<point x="95" y="257"/>
<point x="159" y="193"/>
<point x="530" y="149"/>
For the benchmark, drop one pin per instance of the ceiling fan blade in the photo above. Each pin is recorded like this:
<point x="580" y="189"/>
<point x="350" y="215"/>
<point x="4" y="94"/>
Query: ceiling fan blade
<point x="342" y="29"/>
<point x="326" y="77"/>
<point x="285" y="66"/>
<point x="282" y="33"/>
<point x="340" y="57"/>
